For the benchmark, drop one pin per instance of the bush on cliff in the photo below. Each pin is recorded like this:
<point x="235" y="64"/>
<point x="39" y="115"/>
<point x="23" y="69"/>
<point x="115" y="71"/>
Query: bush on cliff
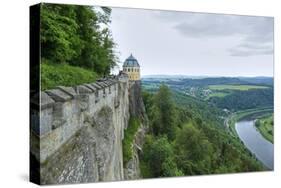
<point x="129" y="136"/>
<point x="53" y="75"/>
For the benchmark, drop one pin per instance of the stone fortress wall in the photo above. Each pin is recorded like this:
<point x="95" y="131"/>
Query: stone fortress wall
<point x="81" y="130"/>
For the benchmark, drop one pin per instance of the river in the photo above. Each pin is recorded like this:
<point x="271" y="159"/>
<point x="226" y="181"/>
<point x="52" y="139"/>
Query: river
<point x="255" y="142"/>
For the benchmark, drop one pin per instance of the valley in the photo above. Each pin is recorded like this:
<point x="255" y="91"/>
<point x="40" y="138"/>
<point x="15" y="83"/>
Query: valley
<point x="211" y="106"/>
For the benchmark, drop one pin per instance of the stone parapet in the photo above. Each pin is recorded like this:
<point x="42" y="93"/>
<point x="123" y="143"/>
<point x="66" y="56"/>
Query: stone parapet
<point x="65" y="110"/>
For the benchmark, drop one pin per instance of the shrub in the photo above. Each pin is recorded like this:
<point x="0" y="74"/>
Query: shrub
<point x="129" y="136"/>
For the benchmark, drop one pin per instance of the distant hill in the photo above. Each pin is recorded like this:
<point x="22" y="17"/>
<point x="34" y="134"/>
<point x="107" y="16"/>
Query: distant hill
<point x="205" y="81"/>
<point x="258" y="80"/>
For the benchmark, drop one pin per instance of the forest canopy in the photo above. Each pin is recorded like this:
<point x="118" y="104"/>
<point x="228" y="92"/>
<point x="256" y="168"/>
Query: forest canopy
<point x="77" y="36"/>
<point x="183" y="140"/>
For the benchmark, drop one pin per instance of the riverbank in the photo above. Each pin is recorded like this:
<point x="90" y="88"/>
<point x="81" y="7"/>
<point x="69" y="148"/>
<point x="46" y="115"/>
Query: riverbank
<point x="250" y="114"/>
<point x="261" y="148"/>
<point x="245" y="114"/>
<point x="265" y="126"/>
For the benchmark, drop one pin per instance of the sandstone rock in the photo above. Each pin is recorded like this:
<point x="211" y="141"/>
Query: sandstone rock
<point x="81" y="132"/>
<point x="69" y="90"/>
<point x="81" y="89"/>
<point x="45" y="100"/>
<point x="59" y="95"/>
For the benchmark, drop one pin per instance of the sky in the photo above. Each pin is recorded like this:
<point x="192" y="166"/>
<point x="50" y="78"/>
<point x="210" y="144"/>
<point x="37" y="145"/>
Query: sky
<point x="197" y="44"/>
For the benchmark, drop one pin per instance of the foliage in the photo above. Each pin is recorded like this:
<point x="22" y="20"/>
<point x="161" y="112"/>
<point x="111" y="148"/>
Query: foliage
<point x="164" y="113"/>
<point x="201" y="144"/>
<point x="193" y="150"/>
<point x="129" y="136"/>
<point x="59" y="38"/>
<point x="198" y="109"/>
<point x="53" y="75"/>
<point x="159" y="157"/>
<point x="77" y="36"/>
<point x="241" y="100"/>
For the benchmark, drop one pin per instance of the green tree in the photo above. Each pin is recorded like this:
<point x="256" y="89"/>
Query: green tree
<point x="164" y="113"/>
<point x="59" y="33"/>
<point x="193" y="150"/>
<point x="79" y="36"/>
<point x="159" y="157"/>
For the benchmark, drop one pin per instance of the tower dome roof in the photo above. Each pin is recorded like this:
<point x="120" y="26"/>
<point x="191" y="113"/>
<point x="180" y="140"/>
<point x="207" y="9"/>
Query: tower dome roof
<point x="131" y="62"/>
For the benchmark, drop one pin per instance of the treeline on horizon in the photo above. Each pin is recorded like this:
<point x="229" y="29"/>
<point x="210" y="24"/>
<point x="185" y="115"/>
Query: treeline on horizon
<point x="76" y="44"/>
<point x="202" y="82"/>
<point x="184" y="141"/>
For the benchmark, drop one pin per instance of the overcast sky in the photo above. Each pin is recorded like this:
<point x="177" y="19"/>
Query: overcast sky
<point x="170" y="42"/>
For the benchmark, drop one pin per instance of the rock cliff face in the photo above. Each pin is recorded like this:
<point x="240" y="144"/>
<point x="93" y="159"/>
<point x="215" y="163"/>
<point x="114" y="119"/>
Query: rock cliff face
<point x="81" y="130"/>
<point x="137" y="109"/>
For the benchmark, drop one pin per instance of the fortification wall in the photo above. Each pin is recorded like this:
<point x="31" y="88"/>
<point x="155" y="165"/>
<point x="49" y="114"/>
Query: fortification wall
<point x="81" y="130"/>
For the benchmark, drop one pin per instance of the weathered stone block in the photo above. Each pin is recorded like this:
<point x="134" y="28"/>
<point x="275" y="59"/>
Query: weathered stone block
<point x="45" y="100"/>
<point x="100" y="84"/>
<point x="46" y="119"/>
<point x="98" y="87"/>
<point x="81" y="89"/>
<point x="83" y="102"/>
<point x="68" y="90"/>
<point x="90" y="87"/>
<point x="59" y="95"/>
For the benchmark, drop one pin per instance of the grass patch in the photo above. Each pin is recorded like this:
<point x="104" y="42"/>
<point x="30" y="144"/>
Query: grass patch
<point x="53" y="75"/>
<point x="265" y="126"/>
<point x="129" y="136"/>
<point x="236" y="87"/>
<point x="217" y="94"/>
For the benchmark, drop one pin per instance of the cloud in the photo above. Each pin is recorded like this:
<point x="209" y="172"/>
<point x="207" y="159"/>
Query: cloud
<point x="254" y="34"/>
<point x="249" y="51"/>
